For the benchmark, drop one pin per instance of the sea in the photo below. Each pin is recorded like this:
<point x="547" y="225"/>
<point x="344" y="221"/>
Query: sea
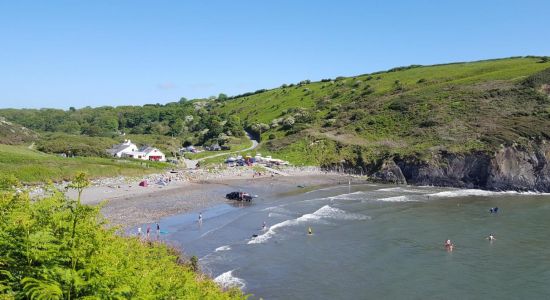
<point x="373" y="241"/>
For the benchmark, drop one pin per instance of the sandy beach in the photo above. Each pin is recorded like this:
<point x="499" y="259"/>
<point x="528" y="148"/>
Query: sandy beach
<point x="128" y="204"/>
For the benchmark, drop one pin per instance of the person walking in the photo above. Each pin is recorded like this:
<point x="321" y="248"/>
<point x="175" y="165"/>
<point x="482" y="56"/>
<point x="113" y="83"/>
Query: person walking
<point x="158" y="230"/>
<point x="148" y="230"/>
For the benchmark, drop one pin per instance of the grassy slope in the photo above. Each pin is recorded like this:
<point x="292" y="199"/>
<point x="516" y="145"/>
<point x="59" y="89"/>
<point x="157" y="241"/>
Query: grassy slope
<point x="236" y="144"/>
<point x="457" y="107"/>
<point x="32" y="166"/>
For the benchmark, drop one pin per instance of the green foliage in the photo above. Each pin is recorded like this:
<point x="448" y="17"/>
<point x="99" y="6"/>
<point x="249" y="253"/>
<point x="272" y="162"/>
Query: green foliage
<point x="412" y="110"/>
<point x="31" y="166"/>
<point x="56" y="248"/>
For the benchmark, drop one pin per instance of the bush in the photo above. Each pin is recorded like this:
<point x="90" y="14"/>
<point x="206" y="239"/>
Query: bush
<point x="57" y="248"/>
<point x="272" y="136"/>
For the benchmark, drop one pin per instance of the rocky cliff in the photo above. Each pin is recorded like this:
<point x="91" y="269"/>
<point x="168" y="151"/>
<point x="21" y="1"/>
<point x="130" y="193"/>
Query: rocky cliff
<point x="521" y="168"/>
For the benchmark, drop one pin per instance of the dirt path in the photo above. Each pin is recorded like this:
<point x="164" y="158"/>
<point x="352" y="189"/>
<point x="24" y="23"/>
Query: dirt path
<point x="192" y="163"/>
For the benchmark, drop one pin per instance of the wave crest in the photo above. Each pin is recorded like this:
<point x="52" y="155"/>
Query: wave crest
<point x="325" y="212"/>
<point x="228" y="280"/>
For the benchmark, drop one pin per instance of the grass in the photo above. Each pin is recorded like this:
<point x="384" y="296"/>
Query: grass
<point x="461" y="107"/>
<point x="31" y="166"/>
<point x="236" y="144"/>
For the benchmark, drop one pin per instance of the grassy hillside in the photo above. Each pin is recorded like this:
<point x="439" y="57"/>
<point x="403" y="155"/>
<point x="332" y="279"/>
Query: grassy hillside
<point x="13" y="134"/>
<point x="32" y="166"/>
<point x="416" y="110"/>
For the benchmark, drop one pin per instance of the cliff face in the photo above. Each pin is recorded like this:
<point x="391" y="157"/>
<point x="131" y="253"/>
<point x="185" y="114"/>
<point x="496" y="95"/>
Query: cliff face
<point x="510" y="168"/>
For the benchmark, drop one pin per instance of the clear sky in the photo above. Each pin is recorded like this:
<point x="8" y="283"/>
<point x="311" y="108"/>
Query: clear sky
<point x="124" y="52"/>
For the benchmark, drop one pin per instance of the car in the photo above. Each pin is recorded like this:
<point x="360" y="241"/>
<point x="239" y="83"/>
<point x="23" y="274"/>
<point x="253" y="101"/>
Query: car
<point x="239" y="196"/>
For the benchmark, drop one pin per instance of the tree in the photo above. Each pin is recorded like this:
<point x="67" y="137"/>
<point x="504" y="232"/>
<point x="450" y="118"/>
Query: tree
<point x="222" y="97"/>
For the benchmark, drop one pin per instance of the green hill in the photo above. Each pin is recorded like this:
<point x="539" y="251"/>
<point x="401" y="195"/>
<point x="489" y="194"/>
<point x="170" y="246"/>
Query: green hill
<point x="423" y="119"/>
<point x="415" y="110"/>
<point x="13" y="134"/>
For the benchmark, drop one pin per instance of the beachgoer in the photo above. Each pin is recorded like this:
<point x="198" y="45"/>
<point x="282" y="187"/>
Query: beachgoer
<point x="495" y="209"/>
<point x="309" y="231"/>
<point x="139" y="231"/>
<point x="491" y="237"/>
<point x="491" y="210"/>
<point x="200" y="217"/>
<point x="263" y="226"/>
<point x="148" y="230"/>
<point x="158" y="229"/>
<point x="449" y="245"/>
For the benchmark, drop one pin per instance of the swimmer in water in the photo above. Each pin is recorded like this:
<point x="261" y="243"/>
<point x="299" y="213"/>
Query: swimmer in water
<point x="264" y="226"/>
<point x="200" y="218"/>
<point x="449" y="245"/>
<point x="491" y="237"/>
<point x="309" y="231"/>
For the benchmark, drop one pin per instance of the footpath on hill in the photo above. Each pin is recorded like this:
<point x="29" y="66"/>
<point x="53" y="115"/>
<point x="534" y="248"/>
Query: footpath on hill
<point x="192" y="163"/>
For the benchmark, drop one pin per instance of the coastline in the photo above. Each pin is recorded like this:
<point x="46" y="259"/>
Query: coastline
<point x="127" y="204"/>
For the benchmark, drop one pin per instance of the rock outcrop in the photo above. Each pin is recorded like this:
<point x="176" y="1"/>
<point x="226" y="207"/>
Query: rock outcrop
<point x="521" y="168"/>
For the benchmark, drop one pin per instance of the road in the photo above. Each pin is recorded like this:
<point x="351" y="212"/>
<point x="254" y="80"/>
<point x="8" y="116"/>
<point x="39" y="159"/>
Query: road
<point x="192" y="163"/>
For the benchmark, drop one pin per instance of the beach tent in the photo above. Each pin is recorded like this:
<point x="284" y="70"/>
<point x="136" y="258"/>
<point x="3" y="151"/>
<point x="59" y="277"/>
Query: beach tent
<point x="143" y="183"/>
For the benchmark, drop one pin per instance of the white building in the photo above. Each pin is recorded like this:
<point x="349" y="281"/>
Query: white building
<point x="120" y="149"/>
<point x="130" y="150"/>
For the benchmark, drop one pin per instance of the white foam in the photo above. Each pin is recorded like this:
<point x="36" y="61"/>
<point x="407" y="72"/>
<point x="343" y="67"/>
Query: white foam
<point x="325" y="212"/>
<point x="481" y="193"/>
<point x="402" y="190"/>
<point x="397" y="199"/>
<point x="275" y="215"/>
<point x="393" y="189"/>
<point x="223" y="248"/>
<point x="228" y="280"/>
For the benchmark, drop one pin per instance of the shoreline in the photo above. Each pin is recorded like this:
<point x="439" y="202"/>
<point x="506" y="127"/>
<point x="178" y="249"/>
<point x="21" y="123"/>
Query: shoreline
<point x="127" y="204"/>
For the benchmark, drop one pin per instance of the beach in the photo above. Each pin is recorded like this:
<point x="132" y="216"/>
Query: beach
<point x="126" y="204"/>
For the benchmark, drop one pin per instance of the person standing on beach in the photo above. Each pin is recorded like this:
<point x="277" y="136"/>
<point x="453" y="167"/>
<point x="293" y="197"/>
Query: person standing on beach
<point x="158" y="230"/>
<point x="148" y="231"/>
<point x="200" y="218"/>
<point x="139" y="231"/>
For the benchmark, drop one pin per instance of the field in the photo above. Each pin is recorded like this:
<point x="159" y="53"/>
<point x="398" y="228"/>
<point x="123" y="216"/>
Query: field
<point x="31" y="166"/>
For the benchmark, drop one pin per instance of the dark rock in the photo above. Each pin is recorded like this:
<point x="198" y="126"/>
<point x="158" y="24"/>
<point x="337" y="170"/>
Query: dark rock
<point x="389" y="172"/>
<point x="521" y="168"/>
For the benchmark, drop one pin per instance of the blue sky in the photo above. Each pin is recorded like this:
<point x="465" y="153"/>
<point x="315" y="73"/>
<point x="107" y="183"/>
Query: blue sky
<point x="79" y="53"/>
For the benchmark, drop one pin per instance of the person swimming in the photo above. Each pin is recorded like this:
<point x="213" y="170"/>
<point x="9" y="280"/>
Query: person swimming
<point x="309" y="231"/>
<point x="491" y="237"/>
<point x="264" y="226"/>
<point x="449" y="245"/>
<point x="493" y="210"/>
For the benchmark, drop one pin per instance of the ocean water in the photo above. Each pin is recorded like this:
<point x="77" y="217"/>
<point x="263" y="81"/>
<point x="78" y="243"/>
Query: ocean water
<point x="375" y="242"/>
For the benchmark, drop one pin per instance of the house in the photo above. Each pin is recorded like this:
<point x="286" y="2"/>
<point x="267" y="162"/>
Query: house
<point x="152" y="153"/>
<point x="130" y="150"/>
<point x="126" y="147"/>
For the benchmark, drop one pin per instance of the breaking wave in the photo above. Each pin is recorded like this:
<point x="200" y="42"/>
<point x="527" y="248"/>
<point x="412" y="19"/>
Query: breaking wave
<point x="223" y="248"/>
<point x="397" y="199"/>
<point x="481" y="193"/>
<point x="228" y="280"/>
<point x="325" y="212"/>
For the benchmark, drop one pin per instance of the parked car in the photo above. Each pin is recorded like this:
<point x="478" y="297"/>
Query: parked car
<point x="239" y="196"/>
